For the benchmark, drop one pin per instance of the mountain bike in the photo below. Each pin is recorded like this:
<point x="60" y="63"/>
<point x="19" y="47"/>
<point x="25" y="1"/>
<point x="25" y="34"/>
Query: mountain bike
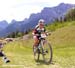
<point x="44" y="48"/>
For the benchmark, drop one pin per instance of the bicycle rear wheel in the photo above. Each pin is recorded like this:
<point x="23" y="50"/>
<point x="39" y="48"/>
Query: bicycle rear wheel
<point x="47" y="52"/>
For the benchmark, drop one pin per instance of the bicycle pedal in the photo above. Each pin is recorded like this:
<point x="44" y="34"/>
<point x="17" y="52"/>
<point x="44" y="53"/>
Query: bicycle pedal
<point x="46" y="51"/>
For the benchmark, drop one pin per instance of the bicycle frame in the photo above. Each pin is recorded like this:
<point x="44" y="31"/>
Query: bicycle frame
<point x="41" y="41"/>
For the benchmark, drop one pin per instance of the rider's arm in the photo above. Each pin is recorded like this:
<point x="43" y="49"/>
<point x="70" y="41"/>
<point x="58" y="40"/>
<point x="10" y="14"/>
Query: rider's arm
<point x="34" y="33"/>
<point x="46" y="32"/>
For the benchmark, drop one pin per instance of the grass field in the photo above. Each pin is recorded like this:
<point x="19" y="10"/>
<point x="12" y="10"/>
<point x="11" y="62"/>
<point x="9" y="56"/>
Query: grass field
<point x="63" y="44"/>
<point x="63" y="41"/>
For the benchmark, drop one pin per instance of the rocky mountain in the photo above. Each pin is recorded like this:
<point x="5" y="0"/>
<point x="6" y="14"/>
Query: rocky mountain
<point x="49" y="14"/>
<point x="3" y="24"/>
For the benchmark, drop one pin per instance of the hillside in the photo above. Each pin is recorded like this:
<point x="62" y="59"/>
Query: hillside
<point x="63" y="41"/>
<point x="63" y="44"/>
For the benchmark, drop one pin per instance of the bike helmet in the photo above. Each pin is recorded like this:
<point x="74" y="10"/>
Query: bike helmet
<point x="41" y="21"/>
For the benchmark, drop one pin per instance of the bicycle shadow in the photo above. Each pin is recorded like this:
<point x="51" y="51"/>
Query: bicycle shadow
<point x="41" y="62"/>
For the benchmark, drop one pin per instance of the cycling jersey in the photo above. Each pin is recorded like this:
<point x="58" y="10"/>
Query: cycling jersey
<point x="38" y="31"/>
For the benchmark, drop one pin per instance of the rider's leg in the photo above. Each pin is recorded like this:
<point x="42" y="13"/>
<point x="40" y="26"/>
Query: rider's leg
<point x="36" y="41"/>
<point x="1" y="54"/>
<point x="4" y="57"/>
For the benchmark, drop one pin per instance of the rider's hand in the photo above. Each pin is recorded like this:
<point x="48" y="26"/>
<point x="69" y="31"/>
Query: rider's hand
<point x="36" y="34"/>
<point x="48" y="33"/>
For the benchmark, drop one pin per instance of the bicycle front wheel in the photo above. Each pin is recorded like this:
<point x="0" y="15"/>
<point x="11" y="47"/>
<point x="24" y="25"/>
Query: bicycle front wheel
<point x="47" y="52"/>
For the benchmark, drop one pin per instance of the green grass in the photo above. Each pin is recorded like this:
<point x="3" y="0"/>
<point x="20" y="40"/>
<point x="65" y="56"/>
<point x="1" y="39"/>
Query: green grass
<point x="21" y="55"/>
<point x="63" y="41"/>
<point x="56" y="25"/>
<point x="63" y="44"/>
